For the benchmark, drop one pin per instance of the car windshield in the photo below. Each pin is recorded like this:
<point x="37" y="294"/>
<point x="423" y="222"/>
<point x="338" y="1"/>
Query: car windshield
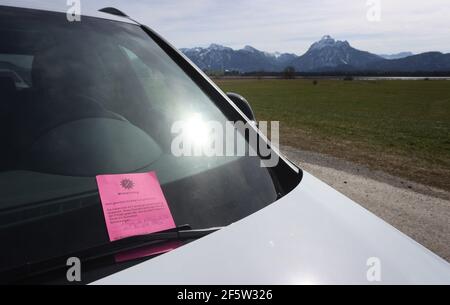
<point x="81" y="99"/>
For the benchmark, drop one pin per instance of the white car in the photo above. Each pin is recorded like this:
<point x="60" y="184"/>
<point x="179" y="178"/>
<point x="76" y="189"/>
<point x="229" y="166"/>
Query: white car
<point x="105" y="92"/>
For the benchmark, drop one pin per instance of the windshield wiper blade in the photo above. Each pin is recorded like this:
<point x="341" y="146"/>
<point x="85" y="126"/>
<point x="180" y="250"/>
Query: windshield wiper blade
<point x="180" y="233"/>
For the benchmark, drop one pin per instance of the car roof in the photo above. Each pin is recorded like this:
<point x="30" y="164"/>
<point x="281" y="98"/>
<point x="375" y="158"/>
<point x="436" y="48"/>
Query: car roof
<point x="88" y="8"/>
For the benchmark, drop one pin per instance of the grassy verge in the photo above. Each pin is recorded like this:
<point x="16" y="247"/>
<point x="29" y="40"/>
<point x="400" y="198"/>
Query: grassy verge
<point x="400" y="127"/>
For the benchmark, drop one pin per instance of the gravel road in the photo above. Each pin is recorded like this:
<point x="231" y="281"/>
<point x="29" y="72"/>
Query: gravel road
<point x="419" y="211"/>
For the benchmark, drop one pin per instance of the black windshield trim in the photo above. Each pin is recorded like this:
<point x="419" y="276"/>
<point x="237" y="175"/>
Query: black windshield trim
<point x="181" y="233"/>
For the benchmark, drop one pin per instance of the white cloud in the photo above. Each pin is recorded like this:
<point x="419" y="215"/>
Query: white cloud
<point x="292" y="25"/>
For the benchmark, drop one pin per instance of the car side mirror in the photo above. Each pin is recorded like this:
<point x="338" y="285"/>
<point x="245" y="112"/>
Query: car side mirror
<point x="242" y="104"/>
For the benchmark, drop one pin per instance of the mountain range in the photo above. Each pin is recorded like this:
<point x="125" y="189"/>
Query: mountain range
<point x="397" y="56"/>
<point x="325" y="55"/>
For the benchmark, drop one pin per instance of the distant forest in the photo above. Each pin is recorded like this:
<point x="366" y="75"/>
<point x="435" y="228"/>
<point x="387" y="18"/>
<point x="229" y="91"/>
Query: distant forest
<point x="292" y="74"/>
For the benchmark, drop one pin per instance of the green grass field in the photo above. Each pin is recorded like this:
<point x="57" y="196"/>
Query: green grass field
<point x="399" y="126"/>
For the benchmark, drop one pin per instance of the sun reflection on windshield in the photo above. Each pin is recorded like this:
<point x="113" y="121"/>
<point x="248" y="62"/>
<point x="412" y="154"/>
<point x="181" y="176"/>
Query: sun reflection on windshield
<point x="195" y="131"/>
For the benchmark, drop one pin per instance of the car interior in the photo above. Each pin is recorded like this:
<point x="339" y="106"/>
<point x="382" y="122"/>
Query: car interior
<point x="70" y="83"/>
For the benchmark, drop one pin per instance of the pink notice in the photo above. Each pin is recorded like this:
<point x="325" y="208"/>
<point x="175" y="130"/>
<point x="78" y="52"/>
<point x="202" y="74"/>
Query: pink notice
<point x="133" y="204"/>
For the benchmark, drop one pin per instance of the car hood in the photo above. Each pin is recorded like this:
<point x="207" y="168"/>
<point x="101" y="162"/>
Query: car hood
<point x="313" y="235"/>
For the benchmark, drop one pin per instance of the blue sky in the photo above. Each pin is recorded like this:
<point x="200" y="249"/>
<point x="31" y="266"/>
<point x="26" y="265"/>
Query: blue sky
<point x="292" y="25"/>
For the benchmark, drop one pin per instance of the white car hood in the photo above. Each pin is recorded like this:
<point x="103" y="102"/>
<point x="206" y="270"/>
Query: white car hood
<point x="313" y="235"/>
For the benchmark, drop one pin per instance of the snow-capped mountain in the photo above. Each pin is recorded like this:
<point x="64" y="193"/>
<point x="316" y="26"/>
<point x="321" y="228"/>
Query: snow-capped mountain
<point x="329" y="54"/>
<point x="220" y="58"/>
<point x="325" y="55"/>
<point x="328" y="42"/>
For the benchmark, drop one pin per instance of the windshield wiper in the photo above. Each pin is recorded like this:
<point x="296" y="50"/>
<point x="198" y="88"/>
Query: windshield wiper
<point x="180" y="233"/>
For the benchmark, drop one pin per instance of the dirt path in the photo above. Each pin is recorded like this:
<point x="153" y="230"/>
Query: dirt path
<point x="419" y="211"/>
